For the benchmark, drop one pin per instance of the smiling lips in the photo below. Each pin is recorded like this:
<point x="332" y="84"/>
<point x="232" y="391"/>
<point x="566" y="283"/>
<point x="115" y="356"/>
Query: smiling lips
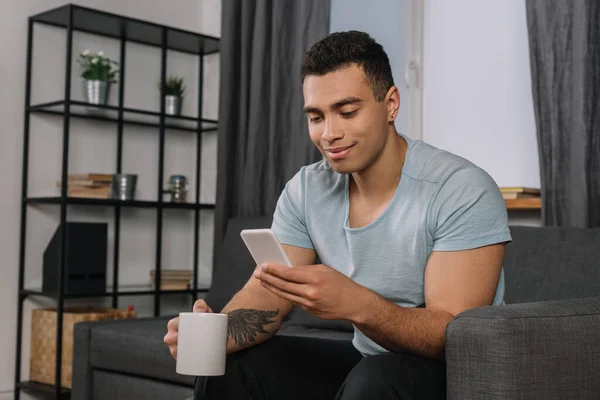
<point x="337" y="153"/>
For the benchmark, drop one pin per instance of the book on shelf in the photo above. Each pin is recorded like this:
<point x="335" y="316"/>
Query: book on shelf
<point x="91" y="176"/>
<point x="519" y="192"/>
<point x="172" y="285"/>
<point x="92" y="185"/>
<point x="89" y="192"/>
<point x="173" y="273"/>
<point x="84" y="183"/>
<point x="172" y="279"/>
<point x="514" y="196"/>
<point x="520" y="189"/>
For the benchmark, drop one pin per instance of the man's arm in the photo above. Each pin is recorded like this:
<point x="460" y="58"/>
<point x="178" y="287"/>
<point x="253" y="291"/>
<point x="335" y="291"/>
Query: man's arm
<point x="454" y="282"/>
<point x="255" y="313"/>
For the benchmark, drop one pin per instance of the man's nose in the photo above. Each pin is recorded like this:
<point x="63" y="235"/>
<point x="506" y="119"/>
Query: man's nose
<point x="332" y="131"/>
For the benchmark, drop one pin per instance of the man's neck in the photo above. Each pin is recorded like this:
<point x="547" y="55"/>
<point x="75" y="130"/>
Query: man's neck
<point x="382" y="177"/>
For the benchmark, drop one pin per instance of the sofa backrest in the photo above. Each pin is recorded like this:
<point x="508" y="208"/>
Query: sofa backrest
<point x="234" y="266"/>
<point x="552" y="264"/>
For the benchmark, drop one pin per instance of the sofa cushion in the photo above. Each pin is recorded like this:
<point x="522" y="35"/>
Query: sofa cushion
<point x="134" y="346"/>
<point x="116" y="386"/>
<point x="552" y="264"/>
<point x="319" y="333"/>
<point x="234" y="266"/>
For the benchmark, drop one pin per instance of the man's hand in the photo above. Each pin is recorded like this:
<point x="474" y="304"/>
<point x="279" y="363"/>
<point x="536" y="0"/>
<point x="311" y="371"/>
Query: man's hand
<point x="170" y="338"/>
<point x="318" y="289"/>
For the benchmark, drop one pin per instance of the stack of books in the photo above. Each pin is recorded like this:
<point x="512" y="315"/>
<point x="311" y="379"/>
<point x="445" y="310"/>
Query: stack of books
<point x="172" y="279"/>
<point x="88" y="185"/>
<point x="513" y="193"/>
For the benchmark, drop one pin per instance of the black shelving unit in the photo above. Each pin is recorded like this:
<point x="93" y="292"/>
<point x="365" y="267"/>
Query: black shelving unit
<point x="130" y="116"/>
<point x="74" y="18"/>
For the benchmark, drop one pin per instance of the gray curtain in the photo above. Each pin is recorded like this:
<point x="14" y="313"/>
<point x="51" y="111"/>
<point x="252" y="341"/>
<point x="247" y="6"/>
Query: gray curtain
<point x="564" y="42"/>
<point x="263" y="136"/>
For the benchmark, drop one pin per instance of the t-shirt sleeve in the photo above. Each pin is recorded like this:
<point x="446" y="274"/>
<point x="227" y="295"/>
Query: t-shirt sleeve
<point x="468" y="212"/>
<point x="289" y="219"/>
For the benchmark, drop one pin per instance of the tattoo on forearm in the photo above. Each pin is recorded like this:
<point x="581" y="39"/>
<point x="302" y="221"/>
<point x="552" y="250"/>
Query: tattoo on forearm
<point x="246" y="324"/>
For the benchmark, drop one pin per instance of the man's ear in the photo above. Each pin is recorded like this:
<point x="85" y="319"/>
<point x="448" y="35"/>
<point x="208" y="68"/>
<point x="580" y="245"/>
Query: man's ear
<point x="392" y="100"/>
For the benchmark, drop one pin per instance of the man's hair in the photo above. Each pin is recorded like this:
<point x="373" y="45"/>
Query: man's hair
<point x="342" y="49"/>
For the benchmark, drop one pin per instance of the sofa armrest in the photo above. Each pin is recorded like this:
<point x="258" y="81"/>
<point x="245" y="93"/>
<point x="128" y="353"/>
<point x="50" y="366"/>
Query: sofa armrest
<point x="543" y="350"/>
<point x="82" y="366"/>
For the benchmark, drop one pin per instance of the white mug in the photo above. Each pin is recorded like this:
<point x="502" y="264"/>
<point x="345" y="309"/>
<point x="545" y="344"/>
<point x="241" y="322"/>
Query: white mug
<point x="201" y="344"/>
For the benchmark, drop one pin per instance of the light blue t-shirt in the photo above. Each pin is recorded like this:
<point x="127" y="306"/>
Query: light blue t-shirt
<point x="442" y="203"/>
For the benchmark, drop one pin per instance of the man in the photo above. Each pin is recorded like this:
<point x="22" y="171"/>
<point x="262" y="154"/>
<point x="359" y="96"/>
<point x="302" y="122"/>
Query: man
<point x="408" y="236"/>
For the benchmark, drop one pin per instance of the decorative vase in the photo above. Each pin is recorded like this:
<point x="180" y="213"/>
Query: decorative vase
<point x="173" y="105"/>
<point x="96" y="92"/>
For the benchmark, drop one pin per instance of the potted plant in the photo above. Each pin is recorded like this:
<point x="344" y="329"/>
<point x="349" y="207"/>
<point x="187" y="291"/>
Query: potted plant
<point x="174" y="93"/>
<point x="98" y="73"/>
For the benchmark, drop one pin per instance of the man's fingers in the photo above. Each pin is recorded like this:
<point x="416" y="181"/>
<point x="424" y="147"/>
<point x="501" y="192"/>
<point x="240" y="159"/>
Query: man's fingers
<point x="201" y="306"/>
<point x="173" y="324"/>
<point x="173" y="351"/>
<point x="296" y="274"/>
<point x="294" y="288"/>
<point x="284" y="295"/>
<point x="171" y="338"/>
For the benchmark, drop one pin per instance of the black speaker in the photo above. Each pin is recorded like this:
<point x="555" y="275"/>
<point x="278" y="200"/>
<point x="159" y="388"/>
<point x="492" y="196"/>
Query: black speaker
<point x="85" y="269"/>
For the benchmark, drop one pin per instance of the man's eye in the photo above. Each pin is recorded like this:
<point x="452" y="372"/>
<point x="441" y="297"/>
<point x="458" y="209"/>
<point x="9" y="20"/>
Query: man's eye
<point x="349" y="114"/>
<point x="314" y="119"/>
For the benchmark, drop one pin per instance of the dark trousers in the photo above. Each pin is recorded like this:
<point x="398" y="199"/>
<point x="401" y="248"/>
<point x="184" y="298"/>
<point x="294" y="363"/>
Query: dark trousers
<point x="288" y="368"/>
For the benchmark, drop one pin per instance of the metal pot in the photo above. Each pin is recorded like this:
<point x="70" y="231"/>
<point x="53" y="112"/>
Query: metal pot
<point x="173" y="105"/>
<point x="123" y="186"/>
<point x="96" y="92"/>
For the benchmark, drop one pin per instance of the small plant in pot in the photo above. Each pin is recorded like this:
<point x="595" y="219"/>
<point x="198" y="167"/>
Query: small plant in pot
<point x="99" y="72"/>
<point x="174" y="93"/>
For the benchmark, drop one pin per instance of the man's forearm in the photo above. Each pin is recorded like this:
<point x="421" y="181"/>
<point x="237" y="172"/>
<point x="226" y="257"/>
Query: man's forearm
<point x="418" y="331"/>
<point x="253" y="318"/>
<point x="248" y="327"/>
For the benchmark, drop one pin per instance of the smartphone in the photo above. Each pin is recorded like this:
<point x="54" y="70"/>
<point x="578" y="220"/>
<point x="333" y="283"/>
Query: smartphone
<point x="264" y="246"/>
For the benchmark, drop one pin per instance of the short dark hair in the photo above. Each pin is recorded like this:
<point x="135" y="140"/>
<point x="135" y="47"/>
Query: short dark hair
<point x="341" y="49"/>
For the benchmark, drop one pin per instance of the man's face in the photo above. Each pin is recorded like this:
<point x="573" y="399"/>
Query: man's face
<point x="345" y="122"/>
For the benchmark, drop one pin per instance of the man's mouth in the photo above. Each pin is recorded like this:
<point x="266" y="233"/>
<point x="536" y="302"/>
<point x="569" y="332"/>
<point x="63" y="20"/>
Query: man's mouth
<point x="337" y="153"/>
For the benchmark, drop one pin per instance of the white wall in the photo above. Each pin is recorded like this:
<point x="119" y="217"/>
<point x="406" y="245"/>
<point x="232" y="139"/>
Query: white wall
<point x="477" y="87"/>
<point x="92" y="148"/>
<point x="477" y="99"/>
<point x="387" y="22"/>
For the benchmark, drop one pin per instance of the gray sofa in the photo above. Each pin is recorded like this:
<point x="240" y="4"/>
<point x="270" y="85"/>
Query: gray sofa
<point x="544" y="344"/>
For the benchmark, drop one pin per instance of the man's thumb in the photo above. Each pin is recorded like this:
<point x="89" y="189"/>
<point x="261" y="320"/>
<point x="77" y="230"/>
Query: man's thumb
<point x="201" y="306"/>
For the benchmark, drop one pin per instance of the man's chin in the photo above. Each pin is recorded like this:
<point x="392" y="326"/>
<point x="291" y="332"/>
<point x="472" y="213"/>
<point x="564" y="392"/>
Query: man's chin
<point x="342" y="166"/>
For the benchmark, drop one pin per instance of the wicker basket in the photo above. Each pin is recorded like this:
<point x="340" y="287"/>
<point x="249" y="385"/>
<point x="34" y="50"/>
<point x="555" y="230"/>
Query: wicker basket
<point x="43" y="340"/>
